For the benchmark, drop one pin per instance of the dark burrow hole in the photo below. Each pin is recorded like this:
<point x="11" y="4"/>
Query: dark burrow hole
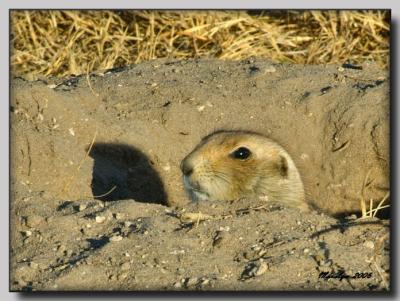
<point x="123" y="172"/>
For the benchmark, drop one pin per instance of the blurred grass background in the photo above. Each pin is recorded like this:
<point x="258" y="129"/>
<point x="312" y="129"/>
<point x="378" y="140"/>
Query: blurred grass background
<point x="61" y="43"/>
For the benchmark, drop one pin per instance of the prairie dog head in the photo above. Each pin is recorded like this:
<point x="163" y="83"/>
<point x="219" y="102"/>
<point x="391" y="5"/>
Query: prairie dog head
<point x="229" y="165"/>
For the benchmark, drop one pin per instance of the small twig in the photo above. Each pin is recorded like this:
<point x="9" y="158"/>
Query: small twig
<point x="89" y="84"/>
<point x="380" y="204"/>
<point x="373" y="211"/>
<point x="377" y="250"/>
<point x="66" y="186"/>
<point x="379" y="270"/>
<point x="104" y="194"/>
<point x="371" y="202"/>
<point x="29" y="156"/>
<point x="198" y="220"/>
<point x="362" y="201"/>
<point x="342" y="147"/>
<point x="190" y="217"/>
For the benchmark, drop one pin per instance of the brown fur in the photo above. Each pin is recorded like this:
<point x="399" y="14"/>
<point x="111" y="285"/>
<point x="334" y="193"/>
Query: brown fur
<point x="211" y="171"/>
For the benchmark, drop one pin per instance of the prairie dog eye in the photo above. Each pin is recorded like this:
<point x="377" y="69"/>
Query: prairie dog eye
<point x="241" y="153"/>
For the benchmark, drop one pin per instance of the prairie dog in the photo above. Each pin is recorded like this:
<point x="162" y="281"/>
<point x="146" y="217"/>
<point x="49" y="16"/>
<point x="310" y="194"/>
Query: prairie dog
<point x="229" y="165"/>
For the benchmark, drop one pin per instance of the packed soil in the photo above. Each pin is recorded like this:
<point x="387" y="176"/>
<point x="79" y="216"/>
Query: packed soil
<point x="97" y="200"/>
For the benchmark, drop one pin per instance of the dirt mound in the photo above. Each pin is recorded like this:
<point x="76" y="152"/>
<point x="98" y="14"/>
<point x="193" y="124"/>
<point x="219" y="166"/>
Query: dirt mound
<point x="120" y="135"/>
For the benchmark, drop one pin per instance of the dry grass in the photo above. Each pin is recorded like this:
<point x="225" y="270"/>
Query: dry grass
<point x="61" y="43"/>
<point x="373" y="210"/>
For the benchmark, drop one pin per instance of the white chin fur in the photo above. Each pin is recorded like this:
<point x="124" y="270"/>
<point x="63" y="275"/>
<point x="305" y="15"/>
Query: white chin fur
<point x="198" y="196"/>
<point x="194" y="194"/>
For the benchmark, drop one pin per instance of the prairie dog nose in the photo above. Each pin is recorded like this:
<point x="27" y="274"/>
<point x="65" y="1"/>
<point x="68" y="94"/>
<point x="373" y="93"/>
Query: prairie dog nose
<point x="186" y="167"/>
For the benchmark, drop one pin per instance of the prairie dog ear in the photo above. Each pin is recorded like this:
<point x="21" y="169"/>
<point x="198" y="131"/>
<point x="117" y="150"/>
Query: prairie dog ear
<point x="282" y="166"/>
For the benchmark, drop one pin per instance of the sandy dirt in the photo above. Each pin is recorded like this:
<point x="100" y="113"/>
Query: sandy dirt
<point x="97" y="201"/>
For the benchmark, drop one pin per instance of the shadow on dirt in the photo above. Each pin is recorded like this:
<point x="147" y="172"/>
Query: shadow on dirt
<point x="121" y="172"/>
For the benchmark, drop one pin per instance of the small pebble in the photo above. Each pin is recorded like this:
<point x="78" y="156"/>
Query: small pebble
<point x="369" y="244"/>
<point x="34" y="221"/>
<point x="116" y="238"/>
<point x="125" y="266"/>
<point x="261" y="269"/>
<point x="192" y="281"/>
<point x="178" y="284"/>
<point x="27" y="233"/>
<point x="205" y="281"/>
<point x="269" y="69"/>
<point x="61" y="248"/>
<point x="100" y="219"/>
<point x="262" y="252"/>
<point x="226" y="229"/>
<point x="118" y="215"/>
